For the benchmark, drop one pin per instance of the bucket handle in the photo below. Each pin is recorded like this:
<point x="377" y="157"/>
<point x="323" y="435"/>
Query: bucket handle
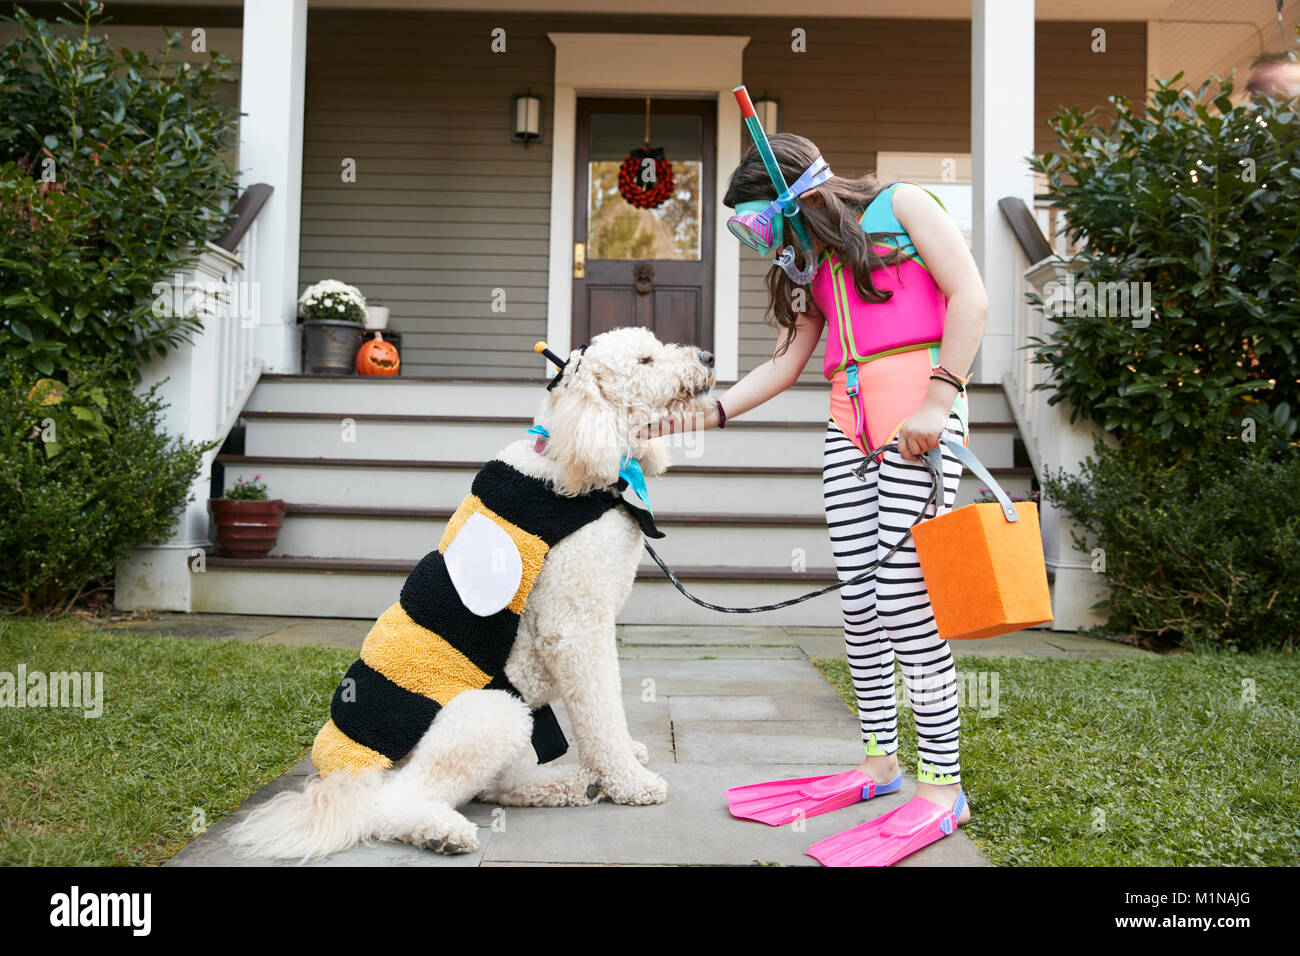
<point x="934" y="463"/>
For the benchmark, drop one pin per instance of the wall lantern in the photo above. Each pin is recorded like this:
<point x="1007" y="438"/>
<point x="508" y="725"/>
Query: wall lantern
<point x="768" y="110"/>
<point x="526" y="118"/>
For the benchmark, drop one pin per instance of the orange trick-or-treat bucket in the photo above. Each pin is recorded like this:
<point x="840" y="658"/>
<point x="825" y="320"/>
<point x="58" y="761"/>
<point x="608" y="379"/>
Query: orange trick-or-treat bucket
<point x="983" y="563"/>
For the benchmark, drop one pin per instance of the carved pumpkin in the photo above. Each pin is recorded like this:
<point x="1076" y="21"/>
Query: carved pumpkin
<point x="378" y="357"/>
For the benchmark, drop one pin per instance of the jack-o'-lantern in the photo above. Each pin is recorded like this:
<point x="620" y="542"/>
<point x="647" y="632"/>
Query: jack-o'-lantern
<point x="378" y="357"/>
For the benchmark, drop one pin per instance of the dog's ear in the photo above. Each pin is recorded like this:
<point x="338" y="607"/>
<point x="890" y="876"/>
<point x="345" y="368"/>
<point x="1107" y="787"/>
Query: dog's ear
<point x="585" y="441"/>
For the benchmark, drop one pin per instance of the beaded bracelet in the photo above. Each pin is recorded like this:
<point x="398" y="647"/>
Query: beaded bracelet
<point x="947" y="371"/>
<point x="951" y="380"/>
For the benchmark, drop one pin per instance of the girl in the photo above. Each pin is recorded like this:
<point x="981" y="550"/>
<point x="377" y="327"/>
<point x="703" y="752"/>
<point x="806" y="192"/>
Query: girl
<point x="906" y="308"/>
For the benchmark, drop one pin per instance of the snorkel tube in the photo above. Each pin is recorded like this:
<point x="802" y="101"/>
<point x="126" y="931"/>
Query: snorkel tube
<point x="816" y="174"/>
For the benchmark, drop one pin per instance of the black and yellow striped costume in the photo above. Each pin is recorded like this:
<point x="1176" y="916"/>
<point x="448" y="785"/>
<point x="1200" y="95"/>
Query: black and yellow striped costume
<point x="428" y="647"/>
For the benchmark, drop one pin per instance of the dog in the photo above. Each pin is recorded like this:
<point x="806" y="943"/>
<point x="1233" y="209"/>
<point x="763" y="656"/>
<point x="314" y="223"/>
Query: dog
<point x="404" y="783"/>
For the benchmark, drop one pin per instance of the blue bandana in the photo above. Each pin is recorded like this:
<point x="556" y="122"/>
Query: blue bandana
<point x="629" y="470"/>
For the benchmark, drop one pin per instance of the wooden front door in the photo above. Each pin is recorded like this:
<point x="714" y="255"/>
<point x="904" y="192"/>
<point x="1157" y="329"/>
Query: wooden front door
<point x="644" y="267"/>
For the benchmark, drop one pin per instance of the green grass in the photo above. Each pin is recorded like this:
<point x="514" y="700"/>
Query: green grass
<point x="1136" y="761"/>
<point x="188" y="727"/>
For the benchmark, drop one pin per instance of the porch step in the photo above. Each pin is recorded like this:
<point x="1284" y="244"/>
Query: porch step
<point x="416" y="437"/>
<point x="749" y="489"/>
<point x="372" y="468"/>
<point x="744" y="541"/>
<point x="370" y="395"/>
<point x="322" y="587"/>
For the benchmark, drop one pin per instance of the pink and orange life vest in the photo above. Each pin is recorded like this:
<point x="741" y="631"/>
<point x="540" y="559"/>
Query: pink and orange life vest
<point x="879" y="354"/>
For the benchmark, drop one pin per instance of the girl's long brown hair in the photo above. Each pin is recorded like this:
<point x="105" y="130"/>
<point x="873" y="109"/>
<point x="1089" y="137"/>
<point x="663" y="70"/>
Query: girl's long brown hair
<point x="835" y="223"/>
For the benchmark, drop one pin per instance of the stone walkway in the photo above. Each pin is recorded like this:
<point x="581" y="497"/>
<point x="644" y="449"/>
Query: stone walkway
<point x="716" y="706"/>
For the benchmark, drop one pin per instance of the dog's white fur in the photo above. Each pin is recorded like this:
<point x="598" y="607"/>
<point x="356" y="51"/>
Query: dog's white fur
<point x="479" y="744"/>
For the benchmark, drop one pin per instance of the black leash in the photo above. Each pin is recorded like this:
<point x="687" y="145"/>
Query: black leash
<point x="936" y="474"/>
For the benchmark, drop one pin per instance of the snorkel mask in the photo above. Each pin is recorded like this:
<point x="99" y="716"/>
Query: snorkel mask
<point x="759" y="224"/>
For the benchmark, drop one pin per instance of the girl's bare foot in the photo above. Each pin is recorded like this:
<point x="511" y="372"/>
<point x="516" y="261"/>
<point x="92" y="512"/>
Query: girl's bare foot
<point x="944" y="796"/>
<point x="881" y="769"/>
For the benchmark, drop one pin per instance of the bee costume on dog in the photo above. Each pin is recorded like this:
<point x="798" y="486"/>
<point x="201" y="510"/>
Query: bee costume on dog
<point x="455" y="623"/>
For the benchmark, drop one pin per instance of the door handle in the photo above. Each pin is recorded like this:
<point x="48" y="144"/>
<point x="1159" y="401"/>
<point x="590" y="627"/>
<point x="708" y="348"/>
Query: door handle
<point x="579" y="260"/>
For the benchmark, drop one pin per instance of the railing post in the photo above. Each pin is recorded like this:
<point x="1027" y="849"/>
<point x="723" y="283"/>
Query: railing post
<point x="204" y="383"/>
<point x="1054" y="444"/>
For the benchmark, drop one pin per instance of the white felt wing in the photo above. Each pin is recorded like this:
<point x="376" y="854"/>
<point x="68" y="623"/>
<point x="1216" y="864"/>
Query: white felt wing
<point x="484" y="565"/>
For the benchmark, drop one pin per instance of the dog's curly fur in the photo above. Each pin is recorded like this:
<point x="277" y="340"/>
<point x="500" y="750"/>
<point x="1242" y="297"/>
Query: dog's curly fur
<point x="479" y="744"/>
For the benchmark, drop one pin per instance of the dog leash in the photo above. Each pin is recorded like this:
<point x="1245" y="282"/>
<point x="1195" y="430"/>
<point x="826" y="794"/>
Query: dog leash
<point x="933" y="462"/>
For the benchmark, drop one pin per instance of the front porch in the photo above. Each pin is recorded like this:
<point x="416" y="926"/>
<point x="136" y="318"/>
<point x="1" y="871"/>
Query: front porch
<point x="385" y="136"/>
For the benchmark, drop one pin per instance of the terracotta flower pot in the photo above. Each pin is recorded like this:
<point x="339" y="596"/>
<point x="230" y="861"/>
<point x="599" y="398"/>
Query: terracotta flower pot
<point x="247" y="529"/>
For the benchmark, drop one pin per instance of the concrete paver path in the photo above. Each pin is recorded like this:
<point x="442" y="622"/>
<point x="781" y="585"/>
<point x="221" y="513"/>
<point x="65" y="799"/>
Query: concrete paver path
<point x="715" y="706"/>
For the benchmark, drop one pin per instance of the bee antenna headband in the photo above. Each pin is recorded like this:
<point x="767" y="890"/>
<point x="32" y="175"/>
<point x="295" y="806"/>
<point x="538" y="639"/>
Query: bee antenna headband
<point x="574" y="356"/>
<point x="756" y="228"/>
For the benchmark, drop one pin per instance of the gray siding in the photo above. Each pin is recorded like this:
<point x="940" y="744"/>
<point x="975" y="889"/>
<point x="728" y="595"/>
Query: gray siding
<point x="445" y="208"/>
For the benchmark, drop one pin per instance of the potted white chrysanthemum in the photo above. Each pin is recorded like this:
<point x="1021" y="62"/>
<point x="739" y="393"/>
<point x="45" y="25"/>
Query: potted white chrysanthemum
<point x="333" y="313"/>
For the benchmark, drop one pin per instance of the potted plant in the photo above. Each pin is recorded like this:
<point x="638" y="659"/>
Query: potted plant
<point x="247" y="523"/>
<point x="333" y="316"/>
<point x="376" y="316"/>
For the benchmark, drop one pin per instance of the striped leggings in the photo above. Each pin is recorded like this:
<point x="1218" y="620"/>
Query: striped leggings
<point x="888" y="615"/>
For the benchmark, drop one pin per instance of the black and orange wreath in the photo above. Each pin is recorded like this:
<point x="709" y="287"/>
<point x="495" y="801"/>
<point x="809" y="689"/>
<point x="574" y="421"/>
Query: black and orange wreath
<point x="645" y="185"/>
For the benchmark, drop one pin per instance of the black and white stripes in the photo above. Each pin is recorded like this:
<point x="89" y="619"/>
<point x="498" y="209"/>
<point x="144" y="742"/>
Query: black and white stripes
<point x="888" y="615"/>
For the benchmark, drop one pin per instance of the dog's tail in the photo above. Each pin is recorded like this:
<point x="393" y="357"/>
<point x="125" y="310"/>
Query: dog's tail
<point x="329" y="815"/>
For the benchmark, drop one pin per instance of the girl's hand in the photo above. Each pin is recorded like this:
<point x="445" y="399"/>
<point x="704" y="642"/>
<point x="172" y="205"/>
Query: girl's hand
<point x="697" y="421"/>
<point x="922" y="431"/>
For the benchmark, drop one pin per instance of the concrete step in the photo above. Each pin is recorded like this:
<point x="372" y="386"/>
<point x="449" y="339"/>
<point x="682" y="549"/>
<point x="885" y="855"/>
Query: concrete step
<point x="407" y="437"/>
<point x="742" y="507"/>
<point x="325" y="531"/>
<point x="316" y="587"/>
<point x="748" y="490"/>
<point x="365" y="395"/>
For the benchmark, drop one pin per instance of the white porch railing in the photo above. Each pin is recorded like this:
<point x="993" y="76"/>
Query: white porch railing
<point x="1052" y="442"/>
<point x="205" y="384"/>
<point x="225" y="294"/>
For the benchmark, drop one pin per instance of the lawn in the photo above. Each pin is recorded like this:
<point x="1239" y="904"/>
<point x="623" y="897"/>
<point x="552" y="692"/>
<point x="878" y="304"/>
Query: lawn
<point x="189" y="729"/>
<point x="1150" y="761"/>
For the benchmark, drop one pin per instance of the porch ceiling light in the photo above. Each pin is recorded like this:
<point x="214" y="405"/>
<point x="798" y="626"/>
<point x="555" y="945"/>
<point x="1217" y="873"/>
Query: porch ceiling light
<point x="526" y="117"/>
<point x="768" y="110"/>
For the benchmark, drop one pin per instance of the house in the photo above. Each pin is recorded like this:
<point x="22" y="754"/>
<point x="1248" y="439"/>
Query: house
<point x="386" y="133"/>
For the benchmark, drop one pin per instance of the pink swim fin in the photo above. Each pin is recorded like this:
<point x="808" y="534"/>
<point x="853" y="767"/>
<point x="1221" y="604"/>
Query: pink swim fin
<point x="890" y="837"/>
<point x="781" y="801"/>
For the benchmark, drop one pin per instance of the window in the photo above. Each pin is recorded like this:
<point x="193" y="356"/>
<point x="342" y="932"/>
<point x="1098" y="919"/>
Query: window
<point x="947" y="175"/>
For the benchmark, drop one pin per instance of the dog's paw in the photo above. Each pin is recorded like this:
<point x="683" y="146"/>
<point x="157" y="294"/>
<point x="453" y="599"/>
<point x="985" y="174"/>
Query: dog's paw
<point x="640" y="788"/>
<point x="561" y="787"/>
<point x="640" y="753"/>
<point x="461" y="837"/>
<point x="451" y="847"/>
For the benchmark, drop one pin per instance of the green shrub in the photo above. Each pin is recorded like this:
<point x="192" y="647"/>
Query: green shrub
<point x="111" y="180"/>
<point x="1199" y="552"/>
<point x="70" y="516"/>
<point x="1201" y="199"/>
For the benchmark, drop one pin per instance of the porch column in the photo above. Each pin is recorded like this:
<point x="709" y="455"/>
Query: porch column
<point x="271" y="91"/>
<point x="1002" y="134"/>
